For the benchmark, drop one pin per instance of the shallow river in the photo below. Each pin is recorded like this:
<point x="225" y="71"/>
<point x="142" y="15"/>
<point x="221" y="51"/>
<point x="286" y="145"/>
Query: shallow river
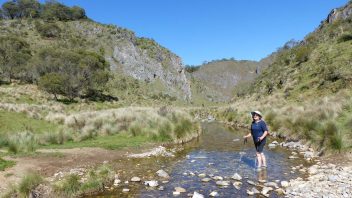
<point x="219" y="151"/>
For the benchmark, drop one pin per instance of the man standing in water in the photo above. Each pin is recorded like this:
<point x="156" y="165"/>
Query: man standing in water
<point x="259" y="131"/>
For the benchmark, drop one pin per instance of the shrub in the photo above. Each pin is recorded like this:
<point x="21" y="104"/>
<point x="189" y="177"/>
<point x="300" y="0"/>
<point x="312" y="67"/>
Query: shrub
<point x="5" y="164"/>
<point x="22" y="142"/>
<point x="48" y="30"/>
<point x="29" y="182"/>
<point x="344" y="38"/>
<point x="69" y="186"/>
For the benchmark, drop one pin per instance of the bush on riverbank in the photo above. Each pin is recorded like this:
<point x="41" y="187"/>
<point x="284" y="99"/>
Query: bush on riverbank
<point x="95" y="180"/>
<point x="29" y="182"/>
<point x="71" y="185"/>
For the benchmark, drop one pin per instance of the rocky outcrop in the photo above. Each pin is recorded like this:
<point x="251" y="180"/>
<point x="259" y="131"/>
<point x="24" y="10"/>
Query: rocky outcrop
<point x="141" y="58"/>
<point x="340" y="13"/>
<point x="139" y="64"/>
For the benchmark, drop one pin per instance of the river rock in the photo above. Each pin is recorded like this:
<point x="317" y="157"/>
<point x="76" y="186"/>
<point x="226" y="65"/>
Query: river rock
<point x="206" y="179"/>
<point x="218" y="178"/>
<point x="236" y="176"/>
<point x="255" y="191"/>
<point x="280" y="191"/>
<point x="162" y="173"/>
<point x="251" y="182"/>
<point x="175" y="193"/>
<point x="214" y="194"/>
<point x="180" y="189"/>
<point x="237" y="185"/>
<point x="250" y="192"/>
<point x="136" y="179"/>
<point x="236" y="140"/>
<point x="284" y="184"/>
<point x="197" y="195"/>
<point x="222" y="183"/>
<point x="152" y="183"/>
<point x="117" y="182"/>
<point x="271" y="184"/>
<point x="272" y="145"/>
<point x="161" y="188"/>
<point x="202" y="175"/>
<point x="308" y="154"/>
<point x="275" y="142"/>
<point x="125" y="190"/>
<point x="265" y="190"/>
<point x="332" y="178"/>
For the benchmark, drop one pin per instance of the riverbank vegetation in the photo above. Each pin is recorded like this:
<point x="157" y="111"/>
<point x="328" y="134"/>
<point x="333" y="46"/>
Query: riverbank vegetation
<point x="92" y="181"/>
<point x="112" y="128"/>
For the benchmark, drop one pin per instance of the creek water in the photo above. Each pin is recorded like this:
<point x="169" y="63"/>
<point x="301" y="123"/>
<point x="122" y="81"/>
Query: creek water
<point x="219" y="151"/>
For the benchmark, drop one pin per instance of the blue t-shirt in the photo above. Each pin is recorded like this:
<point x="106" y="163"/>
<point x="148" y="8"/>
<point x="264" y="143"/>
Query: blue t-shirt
<point x="257" y="129"/>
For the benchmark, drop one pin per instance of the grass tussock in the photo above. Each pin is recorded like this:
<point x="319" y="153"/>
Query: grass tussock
<point x="161" y="124"/>
<point x="22" y="142"/>
<point x="6" y="164"/>
<point x="96" y="179"/>
<point x="28" y="183"/>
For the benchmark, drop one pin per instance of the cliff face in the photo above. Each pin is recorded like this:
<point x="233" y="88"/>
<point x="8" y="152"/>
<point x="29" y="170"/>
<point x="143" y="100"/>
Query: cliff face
<point x="141" y="58"/>
<point x="340" y="13"/>
<point x="137" y="63"/>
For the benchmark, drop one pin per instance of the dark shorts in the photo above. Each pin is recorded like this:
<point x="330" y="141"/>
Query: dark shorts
<point x="259" y="146"/>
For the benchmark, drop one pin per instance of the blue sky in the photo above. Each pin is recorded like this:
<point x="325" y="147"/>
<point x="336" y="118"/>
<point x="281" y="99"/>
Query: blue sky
<point x="199" y="30"/>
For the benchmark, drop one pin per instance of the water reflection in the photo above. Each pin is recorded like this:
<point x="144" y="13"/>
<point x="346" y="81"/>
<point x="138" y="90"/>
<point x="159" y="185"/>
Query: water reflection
<point x="214" y="154"/>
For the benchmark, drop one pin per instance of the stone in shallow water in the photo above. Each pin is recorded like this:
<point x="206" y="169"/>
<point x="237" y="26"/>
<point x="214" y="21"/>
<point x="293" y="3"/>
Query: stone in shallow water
<point x="280" y="191"/>
<point x="202" y="175"/>
<point x="272" y="145"/>
<point x="236" y="176"/>
<point x="218" y="178"/>
<point x="255" y="191"/>
<point x="271" y="184"/>
<point x="117" y="182"/>
<point x="161" y="188"/>
<point x="222" y="183"/>
<point x="214" y="194"/>
<point x="206" y="179"/>
<point x="162" y="173"/>
<point x="151" y="183"/>
<point x="176" y="193"/>
<point x="180" y="189"/>
<point x="197" y="195"/>
<point x="136" y="179"/>
<point x="251" y="182"/>
<point x="237" y="185"/>
<point x="125" y="190"/>
<point x="265" y="190"/>
<point x="250" y="192"/>
<point x="284" y="184"/>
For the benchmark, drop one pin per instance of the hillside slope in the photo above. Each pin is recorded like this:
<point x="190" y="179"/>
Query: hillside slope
<point x="305" y="94"/>
<point x="140" y="58"/>
<point x="216" y="80"/>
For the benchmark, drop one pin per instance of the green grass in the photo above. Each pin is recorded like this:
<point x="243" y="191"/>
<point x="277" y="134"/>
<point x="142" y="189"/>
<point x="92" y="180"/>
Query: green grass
<point x="11" y="122"/>
<point x="29" y="181"/>
<point x="109" y="142"/>
<point x="6" y="164"/>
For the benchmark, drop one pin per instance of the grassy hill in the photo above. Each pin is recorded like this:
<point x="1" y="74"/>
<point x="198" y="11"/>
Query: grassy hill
<point x="305" y="93"/>
<point x="215" y="80"/>
<point x="55" y="35"/>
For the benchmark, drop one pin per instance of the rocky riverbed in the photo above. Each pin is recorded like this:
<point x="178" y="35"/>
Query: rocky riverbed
<point x="218" y="164"/>
<point x="325" y="180"/>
